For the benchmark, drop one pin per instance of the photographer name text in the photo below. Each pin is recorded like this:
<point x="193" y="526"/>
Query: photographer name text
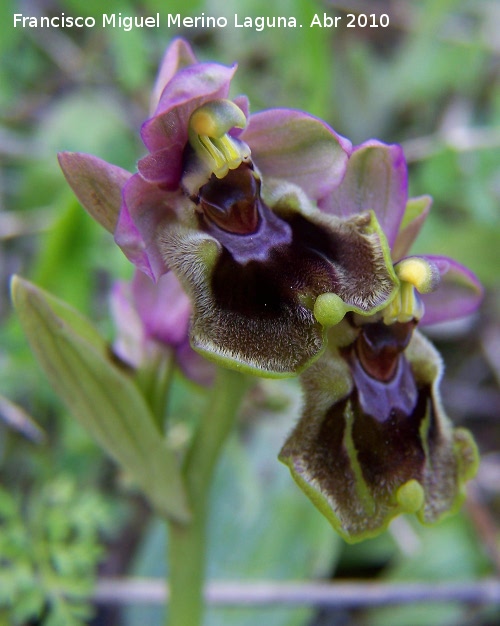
<point x="171" y="20"/>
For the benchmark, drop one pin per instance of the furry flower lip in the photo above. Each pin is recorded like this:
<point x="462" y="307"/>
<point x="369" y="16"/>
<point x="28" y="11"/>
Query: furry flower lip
<point x="226" y="200"/>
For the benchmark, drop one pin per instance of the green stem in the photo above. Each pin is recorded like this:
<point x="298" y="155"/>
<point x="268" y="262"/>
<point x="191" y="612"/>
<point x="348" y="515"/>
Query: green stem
<point x="187" y="543"/>
<point x="161" y="388"/>
<point x="154" y="380"/>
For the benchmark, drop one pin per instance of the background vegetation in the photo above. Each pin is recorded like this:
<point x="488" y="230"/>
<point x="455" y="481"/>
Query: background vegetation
<point x="429" y="81"/>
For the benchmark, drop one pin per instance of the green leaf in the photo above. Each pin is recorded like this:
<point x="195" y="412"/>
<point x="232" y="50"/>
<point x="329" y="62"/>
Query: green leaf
<point x="102" y="397"/>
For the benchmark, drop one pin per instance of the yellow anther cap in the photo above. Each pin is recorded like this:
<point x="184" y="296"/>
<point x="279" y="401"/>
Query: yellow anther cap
<point x="419" y="272"/>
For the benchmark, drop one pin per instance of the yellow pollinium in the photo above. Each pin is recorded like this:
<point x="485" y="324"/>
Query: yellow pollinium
<point x="419" y="272"/>
<point x="216" y="117"/>
<point x="415" y="275"/>
<point x="208" y="134"/>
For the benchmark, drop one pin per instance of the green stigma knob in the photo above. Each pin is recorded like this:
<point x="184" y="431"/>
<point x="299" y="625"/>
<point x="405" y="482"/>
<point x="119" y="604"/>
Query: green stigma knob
<point x="411" y="496"/>
<point x="329" y="309"/>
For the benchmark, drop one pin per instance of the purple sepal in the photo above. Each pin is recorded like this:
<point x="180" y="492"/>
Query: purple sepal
<point x="298" y="147"/>
<point x="177" y="56"/>
<point x="97" y="185"/>
<point x="459" y="293"/>
<point x="376" y="179"/>
<point x="144" y="208"/>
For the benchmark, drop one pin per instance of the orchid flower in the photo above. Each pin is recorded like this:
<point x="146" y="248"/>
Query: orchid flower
<point x="226" y="201"/>
<point x="374" y="440"/>
<point x="288" y="251"/>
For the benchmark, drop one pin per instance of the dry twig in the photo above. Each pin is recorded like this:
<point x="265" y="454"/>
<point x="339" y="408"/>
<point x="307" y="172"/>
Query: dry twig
<point x="318" y="594"/>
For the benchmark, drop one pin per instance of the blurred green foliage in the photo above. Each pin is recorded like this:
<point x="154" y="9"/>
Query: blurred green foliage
<point x="49" y="549"/>
<point x="430" y="81"/>
<point x="260" y="529"/>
